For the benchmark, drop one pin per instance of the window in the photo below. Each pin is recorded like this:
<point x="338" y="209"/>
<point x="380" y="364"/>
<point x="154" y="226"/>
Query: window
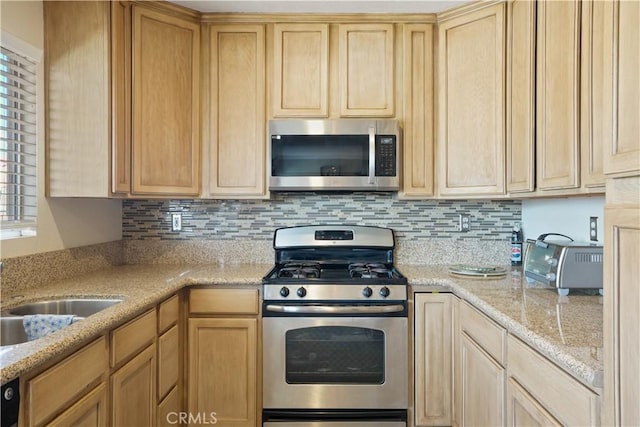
<point x="18" y="144"/>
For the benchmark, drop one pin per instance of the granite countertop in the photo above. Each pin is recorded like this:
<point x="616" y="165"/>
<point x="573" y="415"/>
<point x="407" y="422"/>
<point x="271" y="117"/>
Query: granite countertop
<point x="568" y="330"/>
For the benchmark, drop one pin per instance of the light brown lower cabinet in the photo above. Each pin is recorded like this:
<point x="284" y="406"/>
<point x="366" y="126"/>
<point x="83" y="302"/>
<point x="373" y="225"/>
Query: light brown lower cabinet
<point x="112" y="381"/>
<point x="483" y="382"/>
<point x="435" y="318"/>
<point x="223" y="357"/>
<point x="90" y="411"/>
<point x="524" y="410"/>
<point x="133" y="390"/>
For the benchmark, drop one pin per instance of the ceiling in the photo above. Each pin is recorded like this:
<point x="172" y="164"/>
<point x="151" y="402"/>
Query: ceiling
<point x="320" y="6"/>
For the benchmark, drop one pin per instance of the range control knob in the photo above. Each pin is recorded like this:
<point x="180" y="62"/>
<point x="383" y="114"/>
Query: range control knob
<point x="367" y="292"/>
<point x="284" y="291"/>
<point x="552" y="262"/>
<point x="384" y="292"/>
<point x="301" y="292"/>
<point x="550" y="277"/>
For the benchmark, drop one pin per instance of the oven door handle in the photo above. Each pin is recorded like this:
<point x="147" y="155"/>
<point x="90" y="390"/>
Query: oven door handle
<point x="333" y="309"/>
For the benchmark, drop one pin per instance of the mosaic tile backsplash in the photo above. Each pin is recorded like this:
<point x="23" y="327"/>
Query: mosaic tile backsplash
<point x="491" y="220"/>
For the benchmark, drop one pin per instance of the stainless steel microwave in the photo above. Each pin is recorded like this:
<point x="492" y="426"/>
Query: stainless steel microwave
<point x="344" y="154"/>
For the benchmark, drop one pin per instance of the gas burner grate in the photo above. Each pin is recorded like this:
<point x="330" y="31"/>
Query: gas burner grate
<point x="299" y="271"/>
<point x="369" y="271"/>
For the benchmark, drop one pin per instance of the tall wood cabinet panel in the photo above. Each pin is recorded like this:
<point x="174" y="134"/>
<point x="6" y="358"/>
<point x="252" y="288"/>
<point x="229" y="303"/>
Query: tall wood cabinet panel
<point x="166" y="73"/>
<point x="471" y="116"/>
<point x="623" y="154"/>
<point x="433" y="370"/>
<point x="622" y="303"/>
<point x="121" y="96"/>
<point x="234" y="110"/>
<point x="78" y="116"/>
<point x="596" y="114"/>
<point x="558" y="95"/>
<point x="222" y="369"/>
<point x="521" y="51"/>
<point x="418" y="102"/>
<point x="301" y="70"/>
<point x="366" y="61"/>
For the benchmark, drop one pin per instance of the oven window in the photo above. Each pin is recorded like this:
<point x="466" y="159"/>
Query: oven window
<point x="334" y="355"/>
<point x="320" y="155"/>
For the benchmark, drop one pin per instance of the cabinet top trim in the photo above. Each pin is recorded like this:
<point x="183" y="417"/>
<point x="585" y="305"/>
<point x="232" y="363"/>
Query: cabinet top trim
<point x="266" y="18"/>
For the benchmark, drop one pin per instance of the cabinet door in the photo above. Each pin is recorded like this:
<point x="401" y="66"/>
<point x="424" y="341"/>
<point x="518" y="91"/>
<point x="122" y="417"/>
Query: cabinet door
<point x="433" y="358"/>
<point x="77" y="102"/>
<point x="90" y="411"/>
<point x="366" y="60"/>
<point x="471" y="75"/>
<point x="300" y="70"/>
<point x="234" y="111"/>
<point x="121" y="96"/>
<point x="596" y="115"/>
<point x="418" y="132"/>
<point x="558" y="95"/>
<point x="623" y="154"/>
<point x="483" y="382"/>
<point x="133" y="391"/>
<point x="524" y="410"/>
<point x="223" y="369"/>
<point x="521" y="50"/>
<point x="166" y="137"/>
<point x="622" y="305"/>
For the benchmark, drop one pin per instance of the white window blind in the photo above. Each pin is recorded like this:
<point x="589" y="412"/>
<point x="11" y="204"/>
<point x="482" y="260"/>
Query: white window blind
<point x="18" y="143"/>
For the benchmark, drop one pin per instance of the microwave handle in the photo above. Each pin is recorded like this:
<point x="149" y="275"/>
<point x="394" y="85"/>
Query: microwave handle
<point x="372" y="155"/>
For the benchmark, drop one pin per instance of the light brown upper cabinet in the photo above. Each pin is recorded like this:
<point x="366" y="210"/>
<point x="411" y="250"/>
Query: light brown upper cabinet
<point x="521" y="42"/>
<point x="366" y="61"/>
<point x="301" y="70"/>
<point x="596" y="109"/>
<point x="122" y="100"/>
<point x="471" y="115"/>
<point x="558" y="95"/>
<point x="165" y="84"/>
<point x="418" y="95"/>
<point x="234" y="110"/>
<point x="622" y="154"/>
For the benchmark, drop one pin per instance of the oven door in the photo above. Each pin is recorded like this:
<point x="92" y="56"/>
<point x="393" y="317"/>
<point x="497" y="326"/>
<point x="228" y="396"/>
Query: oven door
<point x="335" y="362"/>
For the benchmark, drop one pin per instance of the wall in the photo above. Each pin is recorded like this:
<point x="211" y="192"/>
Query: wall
<point x="568" y="216"/>
<point x="241" y="231"/>
<point x="62" y="223"/>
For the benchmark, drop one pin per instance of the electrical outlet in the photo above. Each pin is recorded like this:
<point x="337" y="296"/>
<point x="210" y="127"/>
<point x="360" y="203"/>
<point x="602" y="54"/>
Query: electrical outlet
<point x="593" y="228"/>
<point x="464" y="223"/>
<point x="176" y="222"/>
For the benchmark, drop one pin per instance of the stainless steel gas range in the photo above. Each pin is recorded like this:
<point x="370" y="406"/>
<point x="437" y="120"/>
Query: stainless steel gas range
<point x="335" y="329"/>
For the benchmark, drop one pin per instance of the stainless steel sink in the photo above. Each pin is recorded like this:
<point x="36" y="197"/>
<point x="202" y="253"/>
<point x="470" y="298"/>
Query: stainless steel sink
<point x="81" y="307"/>
<point x="12" y="331"/>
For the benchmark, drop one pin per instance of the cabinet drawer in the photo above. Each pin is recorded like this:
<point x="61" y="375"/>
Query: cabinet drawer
<point x="132" y="337"/>
<point x="489" y="335"/>
<point x="168" y="313"/>
<point x="565" y="398"/>
<point x="57" y="387"/>
<point x="224" y="301"/>
<point x="168" y="361"/>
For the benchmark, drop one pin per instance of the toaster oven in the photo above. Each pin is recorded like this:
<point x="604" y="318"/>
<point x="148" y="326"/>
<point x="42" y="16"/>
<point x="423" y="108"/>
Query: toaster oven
<point x="564" y="265"/>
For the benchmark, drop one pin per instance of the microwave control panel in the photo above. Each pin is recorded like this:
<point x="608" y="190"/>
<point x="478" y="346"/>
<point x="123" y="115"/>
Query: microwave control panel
<point x="386" y="155"/>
